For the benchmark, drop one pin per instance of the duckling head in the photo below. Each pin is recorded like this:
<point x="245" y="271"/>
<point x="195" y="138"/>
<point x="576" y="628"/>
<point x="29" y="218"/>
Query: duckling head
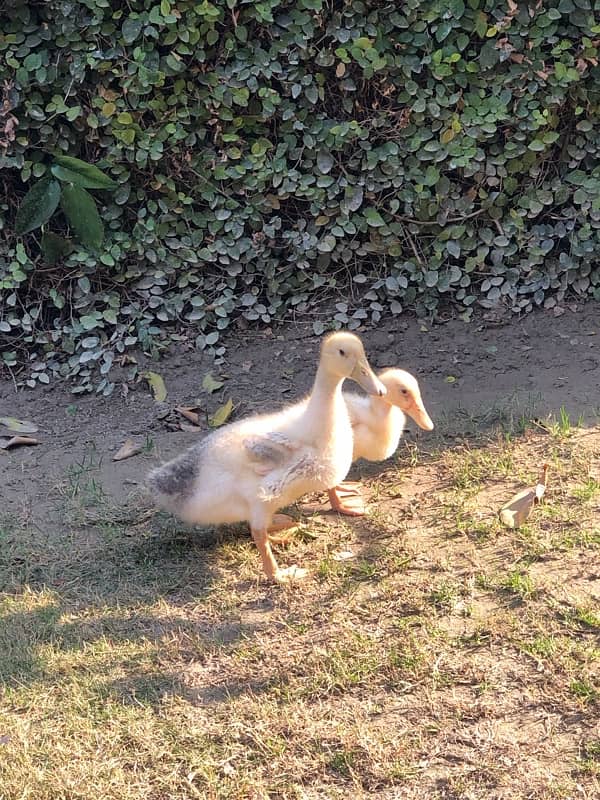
<point x="403" y="391"/>
<point x="343" y="355"/>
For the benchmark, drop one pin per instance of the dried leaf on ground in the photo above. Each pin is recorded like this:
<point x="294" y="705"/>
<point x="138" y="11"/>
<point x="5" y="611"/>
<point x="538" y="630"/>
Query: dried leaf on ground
<point x="343" y="555"/>
<point x="157" y="384"/>
<point x="7" y="443"/>
<point x="18" y="425"/>
<point x="211" y="384"/>
<point x="514" y="513"/>
<point x="188" y="427"/>
<point x="190" y="413"/>
<point x="128" y="448"/>
<point x="221" y="415"/>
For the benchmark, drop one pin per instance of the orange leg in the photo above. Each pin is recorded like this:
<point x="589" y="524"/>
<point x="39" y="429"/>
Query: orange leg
<point x="347" y="499"/>
<point x="272" y="570"/>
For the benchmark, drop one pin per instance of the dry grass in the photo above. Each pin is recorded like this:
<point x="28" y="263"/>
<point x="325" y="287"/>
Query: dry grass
<point x="448" y="658"/>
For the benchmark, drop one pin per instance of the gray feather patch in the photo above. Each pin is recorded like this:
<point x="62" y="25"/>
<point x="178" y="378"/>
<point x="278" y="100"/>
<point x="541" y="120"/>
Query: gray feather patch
<point x="271" y="449"/>
<point x="304" y="468"/>
<point x="176" y="478"/>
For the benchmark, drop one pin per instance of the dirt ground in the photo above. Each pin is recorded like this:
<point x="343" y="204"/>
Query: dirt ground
<point x="431" y="653"/>
<point x="470" y="373"/>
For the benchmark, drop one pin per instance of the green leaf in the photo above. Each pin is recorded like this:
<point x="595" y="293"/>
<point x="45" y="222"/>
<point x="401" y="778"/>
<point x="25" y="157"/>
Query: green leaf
<point x="353" y="198"/>
<point x="127" y="135"/>
<point x="38" y="205"/>
<point x="55" y="247"/>
<point x="432" y="176"/>
<point x="110" y="315"/>
<point x="536" y="145"/>
<point x="73" y="112"/>
<point x="221" y="415"/>
<point x="82" y="215"/>
<point x="453" y="248"/>
<point x="260" y="147"/>
<point x="131" y="29"/>
<point x="374" y="218"/>
<point x="157" y="384"/>
<point x="324" y="161"/>
<point x="90" y="321"/>
<point x="481" y="25"/>
<point x="311" y="93"/>
<point x="550" y="137"/>
<point x="87" y="175"/>
<point x="443" y="30"/>
<point x="327" y="244"/>
<point x="32" y="62"/>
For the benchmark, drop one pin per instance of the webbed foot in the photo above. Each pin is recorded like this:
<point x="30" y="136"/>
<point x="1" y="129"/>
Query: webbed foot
<point x="347" y="499"/>
<point x="290" y="574"/>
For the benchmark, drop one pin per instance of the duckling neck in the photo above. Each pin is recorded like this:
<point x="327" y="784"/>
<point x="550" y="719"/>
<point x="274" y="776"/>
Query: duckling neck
<point x="381" y="408"/>
<point x="326" y="404"/>
<point x="389" y="421"/>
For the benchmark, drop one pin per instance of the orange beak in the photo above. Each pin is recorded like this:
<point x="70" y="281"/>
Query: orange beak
<point x="417" y="411"/>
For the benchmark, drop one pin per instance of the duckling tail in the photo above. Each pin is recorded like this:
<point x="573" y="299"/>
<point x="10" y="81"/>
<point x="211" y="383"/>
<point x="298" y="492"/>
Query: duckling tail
<point x="172" y="483"/>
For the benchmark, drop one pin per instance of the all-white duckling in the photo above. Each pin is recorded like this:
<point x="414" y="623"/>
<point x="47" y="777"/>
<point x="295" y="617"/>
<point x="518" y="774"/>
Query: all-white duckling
<point x="377" y="426"/>
<point x="246" y="470"/>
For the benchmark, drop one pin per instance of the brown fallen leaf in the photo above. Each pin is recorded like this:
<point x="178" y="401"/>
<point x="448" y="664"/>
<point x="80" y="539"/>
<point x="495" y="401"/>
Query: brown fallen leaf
<point x="128" y="448"/>
<point x="189" y="413"/>
<point x="15" y="441"/>
<point x="514" y="513"/>
<point x="188" y="427"/>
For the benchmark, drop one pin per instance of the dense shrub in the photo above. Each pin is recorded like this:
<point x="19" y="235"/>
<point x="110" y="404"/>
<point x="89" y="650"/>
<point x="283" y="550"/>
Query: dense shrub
<point x="271" y="154"/>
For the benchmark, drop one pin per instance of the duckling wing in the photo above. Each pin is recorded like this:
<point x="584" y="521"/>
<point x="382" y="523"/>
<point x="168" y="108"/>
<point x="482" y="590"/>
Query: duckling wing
<point x="270" y="451"/>
<point x="285" y="464"/>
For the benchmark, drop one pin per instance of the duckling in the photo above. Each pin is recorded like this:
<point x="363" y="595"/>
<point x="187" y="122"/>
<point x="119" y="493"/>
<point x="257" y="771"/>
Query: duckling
<point x="377" y="425"/>
<point x="247" y="470"/>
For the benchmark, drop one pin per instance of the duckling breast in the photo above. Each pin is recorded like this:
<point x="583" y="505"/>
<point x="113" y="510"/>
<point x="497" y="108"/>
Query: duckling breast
<point x="335" y="458"/>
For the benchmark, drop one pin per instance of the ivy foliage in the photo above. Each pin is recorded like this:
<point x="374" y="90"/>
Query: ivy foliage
<point x="268" y="155"/>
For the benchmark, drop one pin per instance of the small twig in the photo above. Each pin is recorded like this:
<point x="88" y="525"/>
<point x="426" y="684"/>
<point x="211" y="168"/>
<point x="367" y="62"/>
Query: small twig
<point x="451" y="220"/>
<point x="411" y="241"/>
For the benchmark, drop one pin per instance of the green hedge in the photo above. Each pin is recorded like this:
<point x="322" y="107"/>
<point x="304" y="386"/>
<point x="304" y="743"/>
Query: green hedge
<point x="269" y="155"/>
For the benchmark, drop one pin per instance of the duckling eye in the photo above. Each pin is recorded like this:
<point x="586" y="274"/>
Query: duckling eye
<point x="404" y="391"/>
<point x="342" y="352"/>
